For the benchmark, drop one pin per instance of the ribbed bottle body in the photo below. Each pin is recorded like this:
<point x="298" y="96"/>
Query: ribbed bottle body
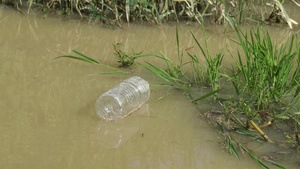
<point x="123" y="99"/>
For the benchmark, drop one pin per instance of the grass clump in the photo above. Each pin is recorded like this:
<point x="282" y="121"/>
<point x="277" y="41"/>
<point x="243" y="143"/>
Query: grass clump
<point x="174" y="75"/>
<point x="266" y="81"/>
<point x="124" y="59"/>
<point x="269" y="73"/>
<point x="211" y="76"/>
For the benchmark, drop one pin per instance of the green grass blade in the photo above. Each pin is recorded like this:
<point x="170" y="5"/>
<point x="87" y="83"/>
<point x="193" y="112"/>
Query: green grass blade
<point x="146" y="55"/>
<point x="86" y="59"/>
<point x="261" y="164"/>
<point x="170" y="66"/>
<point x="253" y="20"/>
<point x="157" y="71"/>
<point x="116" y="72"/>
<point x="207" y="95"/>
<point x="200" y="47"/>
<point x="241" y="10"/>
<point x="205" y="39"/>
<point x="75" y="57"/>
<point x="274" y="163"/>
<point x="297" y="90"/>
<point x="242" y="124"/>
<point x="231" y="147"/>
<point x="178" y="52"/>
<point x="248" y="134"/>
<point x="91" y="60"/>
<point x="161" y="85"/>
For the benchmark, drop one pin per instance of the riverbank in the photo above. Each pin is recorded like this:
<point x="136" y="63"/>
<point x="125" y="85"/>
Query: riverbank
<point x="114" y="14"/>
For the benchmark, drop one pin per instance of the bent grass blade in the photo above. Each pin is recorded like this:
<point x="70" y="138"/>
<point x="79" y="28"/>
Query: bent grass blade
<point x="207" y="95"/>
<point x="90" y="60"/>
<point x="81" y="54"/>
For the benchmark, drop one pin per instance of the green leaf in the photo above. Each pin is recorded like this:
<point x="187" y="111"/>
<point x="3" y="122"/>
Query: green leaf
<point x="248" y="134"/>
<point x="283" y="117"/>
<point x="297" y="91"/>
<point x="157" y="71"/>
<point x="116" y="72"/>
<point x="277" y="165"/>
<point x="91" y="60"/>
<point x="261" y="164"/>
<point x="207" y="95"/>
<point x="75" y="57"/>
<point x="231" y="147"/>
<point x="161" y="85"/>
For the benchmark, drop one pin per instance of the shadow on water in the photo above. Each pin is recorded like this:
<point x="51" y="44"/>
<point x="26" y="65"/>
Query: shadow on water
<point x="47" y="110"/>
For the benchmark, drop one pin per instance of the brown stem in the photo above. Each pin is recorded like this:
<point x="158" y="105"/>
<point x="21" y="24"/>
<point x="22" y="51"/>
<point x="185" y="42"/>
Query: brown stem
<point x="265" y="124"/>
<point x="260" y="131"/>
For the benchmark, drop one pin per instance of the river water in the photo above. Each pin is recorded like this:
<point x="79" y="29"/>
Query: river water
<point x="47" y="109"/>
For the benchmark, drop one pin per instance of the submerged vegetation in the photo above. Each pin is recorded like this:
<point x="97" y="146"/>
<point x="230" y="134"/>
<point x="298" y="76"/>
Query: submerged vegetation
<point x="114" y="12"/>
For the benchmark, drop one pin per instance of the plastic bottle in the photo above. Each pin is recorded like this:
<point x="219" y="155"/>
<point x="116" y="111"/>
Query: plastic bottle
<point x="123" y="99"/>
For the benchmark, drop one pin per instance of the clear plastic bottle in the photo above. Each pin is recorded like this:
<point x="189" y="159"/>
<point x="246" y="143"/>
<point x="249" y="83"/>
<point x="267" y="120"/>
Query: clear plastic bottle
<point x="123" y="99"/>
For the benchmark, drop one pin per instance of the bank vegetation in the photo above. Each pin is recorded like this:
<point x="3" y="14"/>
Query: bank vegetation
<point x="116" y="12"/>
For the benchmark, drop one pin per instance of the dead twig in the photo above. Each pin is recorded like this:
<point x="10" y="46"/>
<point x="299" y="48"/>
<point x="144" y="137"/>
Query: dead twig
<point x="296" y="3"/>
<point x="260" y="131"/>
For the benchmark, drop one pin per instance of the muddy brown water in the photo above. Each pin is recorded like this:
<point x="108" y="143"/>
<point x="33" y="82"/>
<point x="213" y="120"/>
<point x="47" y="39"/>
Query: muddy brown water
<point x="47" y="106"/>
